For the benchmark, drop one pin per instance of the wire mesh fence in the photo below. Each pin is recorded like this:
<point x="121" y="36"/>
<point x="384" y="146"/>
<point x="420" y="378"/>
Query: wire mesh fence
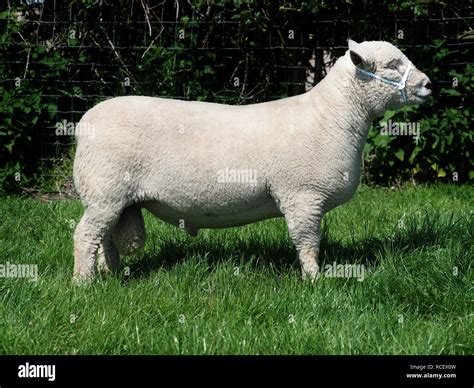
<point x="75" y="56"/>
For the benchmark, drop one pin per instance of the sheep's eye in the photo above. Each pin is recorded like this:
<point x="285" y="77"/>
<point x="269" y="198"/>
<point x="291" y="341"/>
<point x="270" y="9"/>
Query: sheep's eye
<point x="392" y="66"/>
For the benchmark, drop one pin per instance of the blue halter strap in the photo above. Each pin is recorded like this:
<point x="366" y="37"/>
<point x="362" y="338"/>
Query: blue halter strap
<point x="399" y="85"/>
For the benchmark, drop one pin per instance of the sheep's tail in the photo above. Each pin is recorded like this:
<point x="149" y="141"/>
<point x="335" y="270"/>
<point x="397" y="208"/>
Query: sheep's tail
<point x="129" y="233"/>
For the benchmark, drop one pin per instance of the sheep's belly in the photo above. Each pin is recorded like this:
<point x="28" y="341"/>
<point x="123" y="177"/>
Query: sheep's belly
<point x="198" y="219"/>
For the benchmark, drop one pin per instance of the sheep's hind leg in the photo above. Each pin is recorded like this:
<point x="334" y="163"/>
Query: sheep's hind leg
<point x="108" y="260"/>
<point x="90" y="232"/>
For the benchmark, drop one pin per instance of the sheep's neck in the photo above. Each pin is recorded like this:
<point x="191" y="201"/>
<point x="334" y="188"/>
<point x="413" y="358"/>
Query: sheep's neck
<point x="339" y="108"/>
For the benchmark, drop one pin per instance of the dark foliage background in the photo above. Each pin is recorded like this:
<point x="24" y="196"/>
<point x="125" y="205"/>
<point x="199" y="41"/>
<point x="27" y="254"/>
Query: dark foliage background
<point x="59" y="58"/>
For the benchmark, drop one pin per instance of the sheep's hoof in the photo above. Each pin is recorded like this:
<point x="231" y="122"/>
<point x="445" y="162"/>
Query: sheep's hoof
<point x="110" y="266"/>
<point x="193" y="232"/>
<point x="311" y="277"/>
<point x="104" y="269"/>
<point x="82" y="280"/>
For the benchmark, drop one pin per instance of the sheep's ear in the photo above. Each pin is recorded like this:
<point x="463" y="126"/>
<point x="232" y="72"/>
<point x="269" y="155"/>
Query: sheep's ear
<point x="352" y="44"/>
<point x="357" y="59"/>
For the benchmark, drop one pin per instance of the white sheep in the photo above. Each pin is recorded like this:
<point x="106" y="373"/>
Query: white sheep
<point x="204" y="165"/>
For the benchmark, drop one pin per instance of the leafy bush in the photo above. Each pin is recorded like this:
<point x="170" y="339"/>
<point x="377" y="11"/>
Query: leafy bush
<point x="444" y="149"/>
<point x="230" y="52"/>
<point x="24" y="132"/>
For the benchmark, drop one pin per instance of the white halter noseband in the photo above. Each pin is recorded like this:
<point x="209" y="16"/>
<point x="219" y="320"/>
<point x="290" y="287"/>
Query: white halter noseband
<point x="399" y="85"/>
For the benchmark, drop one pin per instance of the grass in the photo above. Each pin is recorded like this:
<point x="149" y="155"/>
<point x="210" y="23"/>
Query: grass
<point x="238" y="291"/>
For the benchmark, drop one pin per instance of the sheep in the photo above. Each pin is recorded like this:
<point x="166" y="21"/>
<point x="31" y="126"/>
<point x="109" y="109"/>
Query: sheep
<point x="206" y="165"/>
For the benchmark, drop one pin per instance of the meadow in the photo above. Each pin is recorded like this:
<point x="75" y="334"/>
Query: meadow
<point x="239" y="290"/>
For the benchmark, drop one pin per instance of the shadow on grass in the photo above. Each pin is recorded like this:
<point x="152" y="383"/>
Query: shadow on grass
<point x="257" y="253"/>
<point x="414" y="235"/>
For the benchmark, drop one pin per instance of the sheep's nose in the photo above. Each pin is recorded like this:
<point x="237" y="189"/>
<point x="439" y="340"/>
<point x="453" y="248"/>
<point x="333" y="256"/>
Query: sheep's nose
<point x="428" y="85"/>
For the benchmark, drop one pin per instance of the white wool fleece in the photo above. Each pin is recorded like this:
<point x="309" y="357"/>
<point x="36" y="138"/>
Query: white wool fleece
<point x="205" y="165"/>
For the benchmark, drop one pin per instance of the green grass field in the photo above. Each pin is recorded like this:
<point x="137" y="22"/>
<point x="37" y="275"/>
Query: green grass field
<point x="238" y="291"/>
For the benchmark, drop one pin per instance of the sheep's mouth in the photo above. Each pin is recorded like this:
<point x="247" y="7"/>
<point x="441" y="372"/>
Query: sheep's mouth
<point x="423" y="93"/>
<point x="422" y="97"/>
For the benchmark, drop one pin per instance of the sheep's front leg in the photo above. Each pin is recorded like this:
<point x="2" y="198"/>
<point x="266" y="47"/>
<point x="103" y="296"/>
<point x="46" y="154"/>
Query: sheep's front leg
<point x="308" y="258"/>
<point x="303" y="214"/>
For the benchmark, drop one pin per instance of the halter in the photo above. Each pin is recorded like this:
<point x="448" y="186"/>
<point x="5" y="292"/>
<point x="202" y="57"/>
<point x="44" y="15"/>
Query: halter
<point x="399" y="85"/>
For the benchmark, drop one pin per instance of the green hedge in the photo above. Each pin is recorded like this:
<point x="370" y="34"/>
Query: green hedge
<point x="234" y="52"/>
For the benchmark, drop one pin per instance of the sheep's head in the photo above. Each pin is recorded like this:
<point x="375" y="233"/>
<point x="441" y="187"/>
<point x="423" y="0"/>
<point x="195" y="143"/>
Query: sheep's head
<point x="378" y="64"/>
